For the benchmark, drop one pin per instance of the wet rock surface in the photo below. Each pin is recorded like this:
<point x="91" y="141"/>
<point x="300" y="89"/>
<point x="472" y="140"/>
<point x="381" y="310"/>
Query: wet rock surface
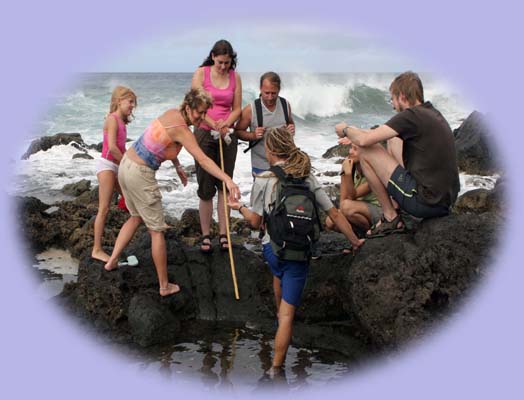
<point x="476" y="151"/>
<point x="392" y="291"/>
<point x="46" y="142"/>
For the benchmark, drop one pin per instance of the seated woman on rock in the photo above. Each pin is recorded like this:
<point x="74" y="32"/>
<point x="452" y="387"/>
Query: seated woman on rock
<point x="357" y="202"/>
<point x="162" y="140"/>
<point x="289" y="275"/>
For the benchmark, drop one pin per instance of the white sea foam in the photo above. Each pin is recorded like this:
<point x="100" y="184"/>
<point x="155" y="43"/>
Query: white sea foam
<point x="318" y="102"/>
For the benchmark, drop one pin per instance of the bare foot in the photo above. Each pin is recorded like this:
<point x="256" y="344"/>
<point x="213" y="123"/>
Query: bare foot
<point x="171" y="288"/>
<point x="100" y="255"/>
<point x="111" y="265"/>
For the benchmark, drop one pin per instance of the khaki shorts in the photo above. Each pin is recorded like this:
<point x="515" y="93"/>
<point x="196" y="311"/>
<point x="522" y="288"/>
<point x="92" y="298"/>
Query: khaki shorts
<point x="142" y="194"/>
<point x="207" y="183"/>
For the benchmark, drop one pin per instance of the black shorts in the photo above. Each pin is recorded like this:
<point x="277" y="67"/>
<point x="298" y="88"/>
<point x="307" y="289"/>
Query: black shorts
<point x="207" y="183"/>
<point x="403" y="188"/>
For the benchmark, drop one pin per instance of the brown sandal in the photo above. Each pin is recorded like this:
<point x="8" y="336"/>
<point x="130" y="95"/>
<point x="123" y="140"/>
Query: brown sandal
<point x="203" y="243"/>
<point x="224" y="244"/>
<point x="386" y="227"/>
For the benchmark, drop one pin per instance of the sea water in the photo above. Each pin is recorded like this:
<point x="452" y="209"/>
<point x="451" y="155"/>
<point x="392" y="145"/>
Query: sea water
<point x="318" y="103"/>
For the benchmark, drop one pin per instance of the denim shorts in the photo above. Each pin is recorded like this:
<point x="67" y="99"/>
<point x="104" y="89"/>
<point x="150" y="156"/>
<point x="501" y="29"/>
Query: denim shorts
<point x="403" y="188"/>
<point x="292" y="275"/>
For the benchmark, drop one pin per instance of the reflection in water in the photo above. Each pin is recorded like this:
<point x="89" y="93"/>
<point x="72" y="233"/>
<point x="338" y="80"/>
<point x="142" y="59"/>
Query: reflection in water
<point x="237" y="358"/>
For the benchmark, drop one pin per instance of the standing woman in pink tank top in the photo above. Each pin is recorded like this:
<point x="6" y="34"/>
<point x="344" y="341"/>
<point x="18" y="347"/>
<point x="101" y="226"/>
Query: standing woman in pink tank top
<point x="123" y="101"/>
<point x="218" y="77"/>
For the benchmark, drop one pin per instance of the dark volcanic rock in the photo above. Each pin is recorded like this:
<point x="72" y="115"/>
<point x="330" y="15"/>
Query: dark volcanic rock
<point x="400" y="285"/>
<point x="150" y="322"/>
<point x="76" y="189"/>
<point x="69" y="227"/>
<point x="84" y="156"/>
<point x="339" y="150"/>
<point x="476" y="151"/>
<point x="46" y="142"/>
<point x="394" y="290"/>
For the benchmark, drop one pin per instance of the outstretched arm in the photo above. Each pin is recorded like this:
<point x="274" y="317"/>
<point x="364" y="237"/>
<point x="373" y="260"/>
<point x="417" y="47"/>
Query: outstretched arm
<point x="185" y="137"/>
<point x="252" y="218"/>
<point x="365" y="137"/>
<point x="343" y="225"/>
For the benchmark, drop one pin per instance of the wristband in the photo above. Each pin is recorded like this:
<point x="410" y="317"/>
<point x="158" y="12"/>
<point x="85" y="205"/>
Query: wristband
<point x="240" y="208"/>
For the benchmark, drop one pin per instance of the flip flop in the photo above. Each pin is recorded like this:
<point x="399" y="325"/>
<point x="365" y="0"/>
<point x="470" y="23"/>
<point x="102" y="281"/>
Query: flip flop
<point x="132" y="261"/>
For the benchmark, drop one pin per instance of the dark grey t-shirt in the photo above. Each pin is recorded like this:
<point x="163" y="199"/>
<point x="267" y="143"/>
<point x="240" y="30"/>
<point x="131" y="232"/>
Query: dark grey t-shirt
<point x="428" y="153"/>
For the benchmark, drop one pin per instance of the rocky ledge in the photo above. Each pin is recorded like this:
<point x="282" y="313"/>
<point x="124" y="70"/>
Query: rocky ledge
<point x="391" y="292"/>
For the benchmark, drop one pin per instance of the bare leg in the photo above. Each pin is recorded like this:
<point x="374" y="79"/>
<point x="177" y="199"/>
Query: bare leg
<point x="158" y="251"/>
<point x="205" y="209"/>
<point x="395" y="146"/>
<point x="106" y="185"/>
<point x="284" y="332"/>
<point x="357" y="213"/>
<point x="222" y="215"/>
<point x="277" y="291"/>
<point x="377" y="166"/>
<point x="124" y="237"/>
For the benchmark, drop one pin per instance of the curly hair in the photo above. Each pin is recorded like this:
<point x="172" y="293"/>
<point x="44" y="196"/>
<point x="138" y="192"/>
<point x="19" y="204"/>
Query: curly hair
<point x="195" y="98"/>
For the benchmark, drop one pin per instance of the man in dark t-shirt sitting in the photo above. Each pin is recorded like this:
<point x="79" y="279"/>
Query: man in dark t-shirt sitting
<point x="421" y="174"/>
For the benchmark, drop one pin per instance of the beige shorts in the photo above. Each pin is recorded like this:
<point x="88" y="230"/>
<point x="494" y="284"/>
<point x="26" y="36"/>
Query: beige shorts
<point x="142" y="194"/>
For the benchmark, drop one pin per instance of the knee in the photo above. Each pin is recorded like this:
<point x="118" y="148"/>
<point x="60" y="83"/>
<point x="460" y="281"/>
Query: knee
<point x="206" y="192"/>
<point x="103" y="210"/>
<point x="346" y="207"/>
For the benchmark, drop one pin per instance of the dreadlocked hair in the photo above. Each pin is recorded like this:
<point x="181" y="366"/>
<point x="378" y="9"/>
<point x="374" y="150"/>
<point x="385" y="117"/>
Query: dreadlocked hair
<point x="280" y="142"/>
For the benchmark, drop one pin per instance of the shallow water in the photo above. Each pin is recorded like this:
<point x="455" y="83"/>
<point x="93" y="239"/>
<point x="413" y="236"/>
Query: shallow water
<point x="238" y="358"/>
<point x="219" y="355"/>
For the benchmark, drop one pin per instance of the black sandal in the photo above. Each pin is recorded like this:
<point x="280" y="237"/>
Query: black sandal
<point x="386" y="227"/>
<point x="224" y="244"/>
<point x="203" y="243"/>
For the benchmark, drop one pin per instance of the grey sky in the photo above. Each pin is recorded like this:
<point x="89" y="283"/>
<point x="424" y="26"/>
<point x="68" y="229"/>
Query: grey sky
<point x="286" y="48"/>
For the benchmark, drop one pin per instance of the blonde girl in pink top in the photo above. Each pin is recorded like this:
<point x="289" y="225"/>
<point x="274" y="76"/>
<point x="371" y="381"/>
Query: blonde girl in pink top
<point x="123" y="101"/>
<point x="218" y="77"/>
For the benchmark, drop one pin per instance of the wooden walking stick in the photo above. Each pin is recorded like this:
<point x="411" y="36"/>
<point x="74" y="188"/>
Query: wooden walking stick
<point x="231" y="260"/>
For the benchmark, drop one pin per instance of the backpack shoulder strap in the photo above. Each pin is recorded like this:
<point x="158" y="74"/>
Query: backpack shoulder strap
<point x="284" y="108"/>
<point x="279" y="172"/>
<point x="258" y="112"/>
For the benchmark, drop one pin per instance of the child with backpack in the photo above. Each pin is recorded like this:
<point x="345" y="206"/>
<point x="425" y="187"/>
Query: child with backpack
<point x="286" y="198"/>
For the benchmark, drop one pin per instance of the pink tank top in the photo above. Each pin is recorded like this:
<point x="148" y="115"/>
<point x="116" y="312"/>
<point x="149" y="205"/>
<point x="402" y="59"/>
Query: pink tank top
<point x="222" y="98"/>
<point x="121" y="136"/>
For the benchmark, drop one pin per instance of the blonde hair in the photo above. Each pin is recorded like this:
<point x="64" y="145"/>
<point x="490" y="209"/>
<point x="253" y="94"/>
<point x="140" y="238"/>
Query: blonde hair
<point x="195" y="98"/>
<point x="120" y="93"/>
<point x="280" y="142"/>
